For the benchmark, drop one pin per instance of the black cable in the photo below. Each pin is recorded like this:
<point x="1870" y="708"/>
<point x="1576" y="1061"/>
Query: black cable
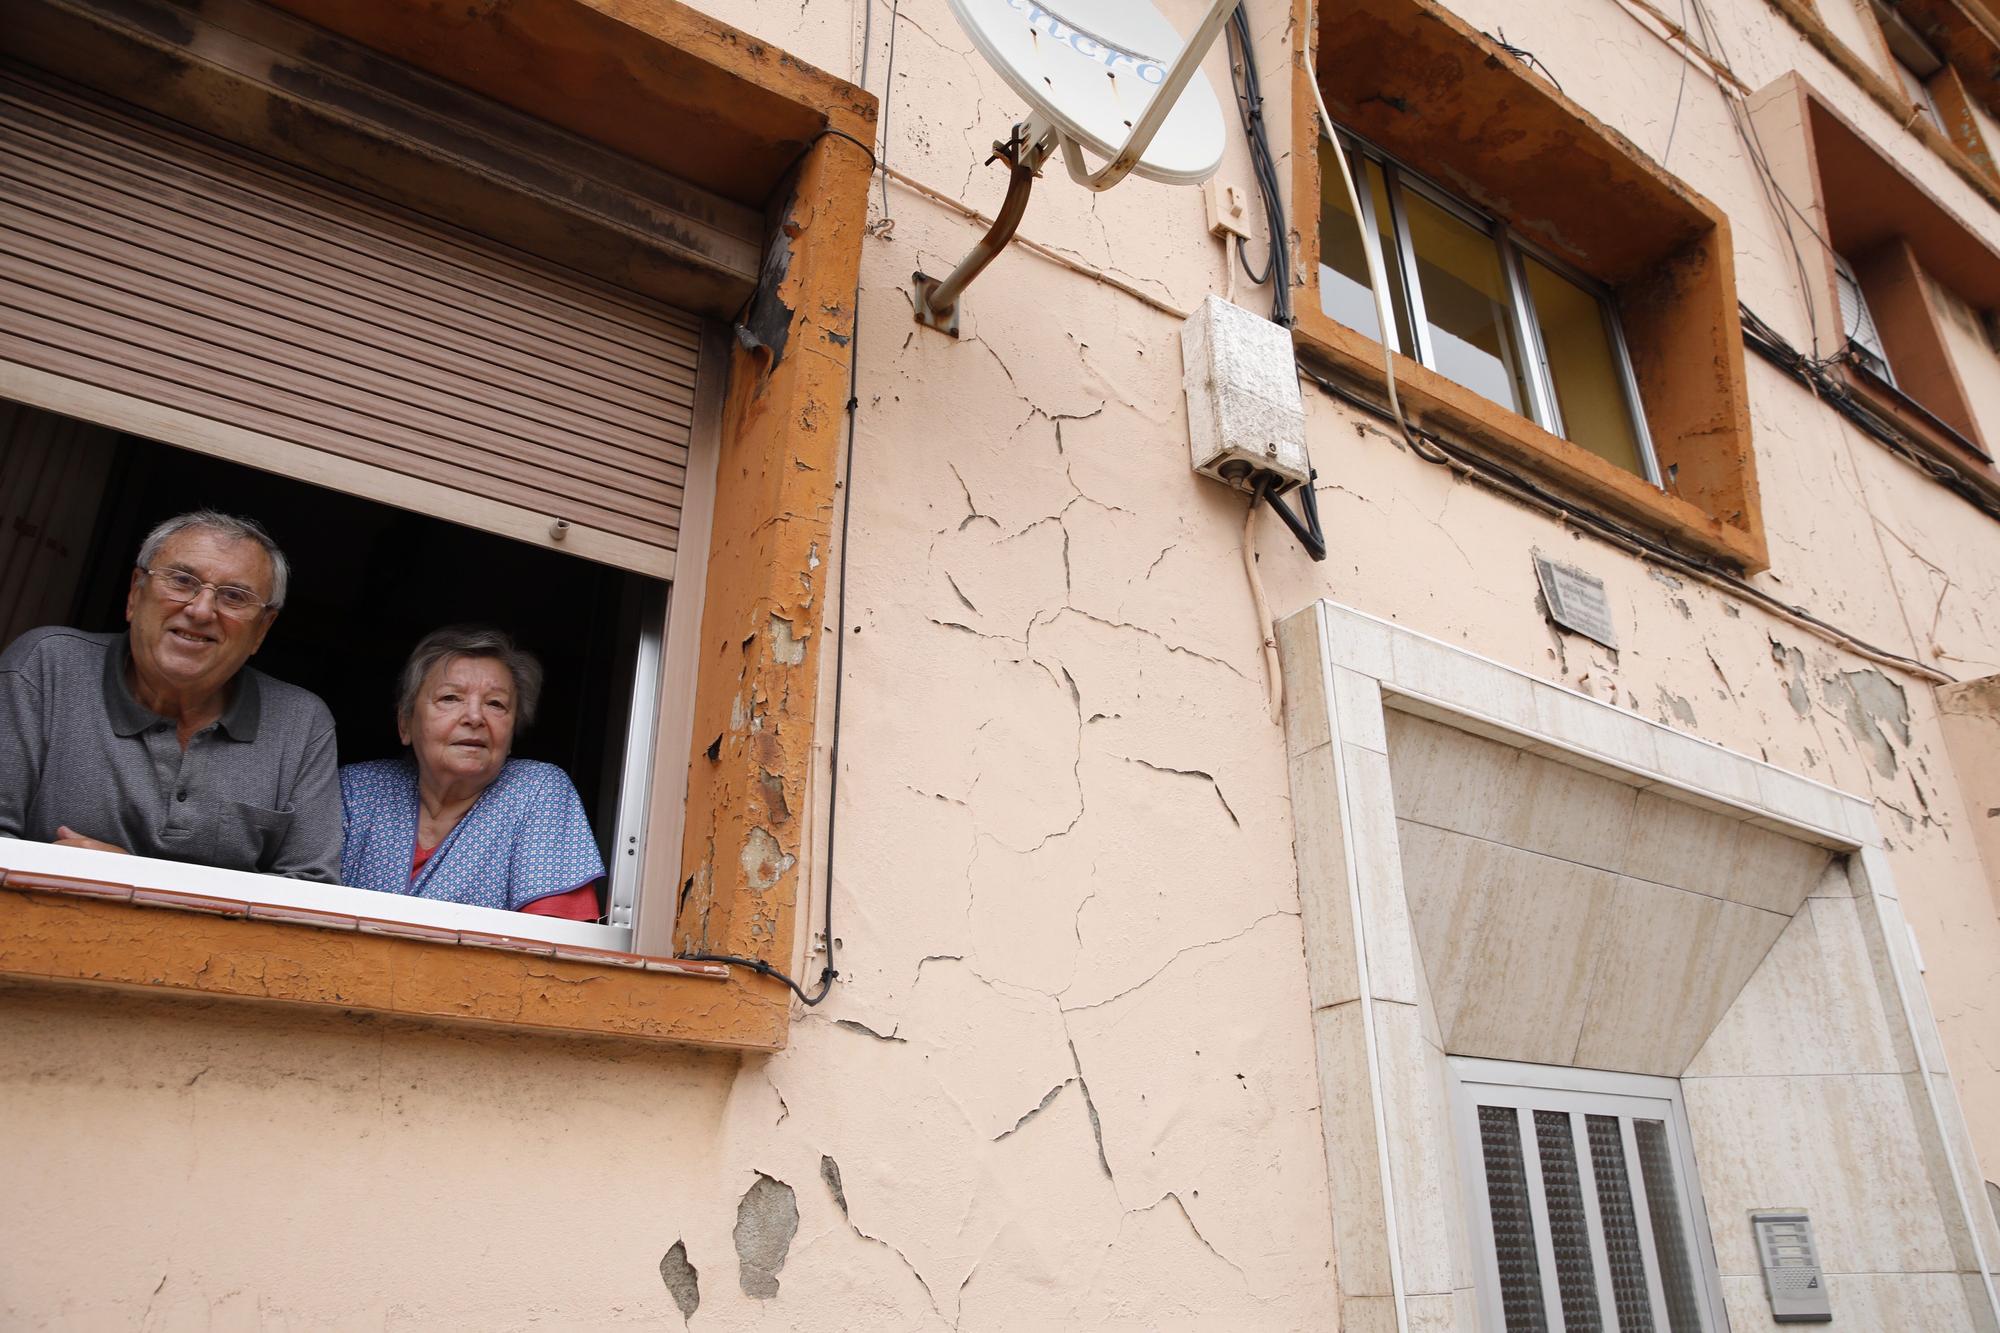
<point x="1679" y="92"/>
<point x="1762" y="339"/>
<point x="1591" y="520"/>
<point x="1524" y="55"/>
<point x="1249" y="91"/>
<point x="824" y="132"/>
<point x="1306" y="529"/>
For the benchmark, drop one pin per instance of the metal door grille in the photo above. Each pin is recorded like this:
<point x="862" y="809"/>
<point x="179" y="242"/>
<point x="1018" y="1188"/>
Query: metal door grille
<point x="1581" y="1202"/>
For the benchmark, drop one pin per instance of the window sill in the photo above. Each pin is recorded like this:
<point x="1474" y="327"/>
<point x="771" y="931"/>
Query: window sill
<point x="1437" y="403"/>
<point x="1917" y="420"/>
<point x="1802" y="16"/>
<point x="76" y="917"/>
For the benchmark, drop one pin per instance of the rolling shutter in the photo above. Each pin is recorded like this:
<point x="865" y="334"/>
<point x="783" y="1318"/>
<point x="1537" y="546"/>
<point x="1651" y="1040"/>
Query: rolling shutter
<point x="183" y="289"/>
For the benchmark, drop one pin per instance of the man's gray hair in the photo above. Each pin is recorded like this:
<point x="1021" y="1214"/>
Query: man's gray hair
<point x="456" y="641"/>
<point x="231" y="526"/>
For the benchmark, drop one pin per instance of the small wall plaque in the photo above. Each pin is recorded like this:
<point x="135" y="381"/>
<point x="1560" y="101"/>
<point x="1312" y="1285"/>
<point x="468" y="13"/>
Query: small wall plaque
<point x="1576" y="600"/>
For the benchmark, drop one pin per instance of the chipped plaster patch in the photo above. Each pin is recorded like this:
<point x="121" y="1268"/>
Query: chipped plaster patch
<point x="829" y="1171"/>
<point x="1793" y="663"/>
<point x="1866" y="700"/>
<point x="683" y="1280"/>
<point x="774" y="795"/>
<point x="786" y="650"/>
<point x="1679" y="707"/>
<point x="764" y="861"/>
<point x="767" y="1218"/>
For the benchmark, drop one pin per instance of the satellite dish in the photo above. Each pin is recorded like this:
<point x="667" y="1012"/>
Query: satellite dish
<point x="1093" y="69"/>
<point x="1110" y="76"/>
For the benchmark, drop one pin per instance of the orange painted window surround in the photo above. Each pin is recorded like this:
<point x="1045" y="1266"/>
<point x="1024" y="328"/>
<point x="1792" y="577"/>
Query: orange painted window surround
<point x="1414" y="80"/>
<point x="1857" y="204"/>
<point x="765" y="115"/>
<point x="1944" y="57"/>
<point x="1969" y="45"/>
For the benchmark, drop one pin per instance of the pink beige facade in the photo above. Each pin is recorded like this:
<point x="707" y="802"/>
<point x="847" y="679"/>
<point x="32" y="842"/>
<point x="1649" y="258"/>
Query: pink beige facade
<point x="1401" y="948"/>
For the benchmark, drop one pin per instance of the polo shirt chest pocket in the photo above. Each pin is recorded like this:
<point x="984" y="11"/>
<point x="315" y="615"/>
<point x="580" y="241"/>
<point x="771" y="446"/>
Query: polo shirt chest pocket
<point x="248" y="834"/>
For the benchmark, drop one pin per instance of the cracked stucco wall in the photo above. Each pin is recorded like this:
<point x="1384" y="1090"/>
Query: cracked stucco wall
<point x="1067" y="1079"/>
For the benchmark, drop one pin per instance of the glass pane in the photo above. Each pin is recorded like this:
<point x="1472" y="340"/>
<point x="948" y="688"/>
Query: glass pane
<point x="1569" y="1225"/>
<point x="1466" y="303"/>
<point x="1344" y="293"/>
<point x="1663" y="1206"/>
<point x="1513" y="1227"/>
<point x="1621" y="1225"/>
<point x="1590" y="392"/>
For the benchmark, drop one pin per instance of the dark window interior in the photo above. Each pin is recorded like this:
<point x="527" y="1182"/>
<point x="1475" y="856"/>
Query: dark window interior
<point x="367" y="582"/>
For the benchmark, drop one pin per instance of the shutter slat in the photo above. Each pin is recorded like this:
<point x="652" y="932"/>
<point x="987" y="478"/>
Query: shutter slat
<point x="236" y="191"/>
<point x="359" y="306"/>
<point x="41" y="317"/>
<point x="121" y="287"/>
<point x="161" y="265"/>
<point x="75" y="353"/>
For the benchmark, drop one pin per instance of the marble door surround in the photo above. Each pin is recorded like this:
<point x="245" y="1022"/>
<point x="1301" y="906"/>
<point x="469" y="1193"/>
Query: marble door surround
<point x="1676" y="901"/>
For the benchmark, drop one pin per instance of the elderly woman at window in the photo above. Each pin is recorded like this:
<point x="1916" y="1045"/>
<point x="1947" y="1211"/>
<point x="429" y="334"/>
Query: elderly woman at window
<point x="455" y="819"/>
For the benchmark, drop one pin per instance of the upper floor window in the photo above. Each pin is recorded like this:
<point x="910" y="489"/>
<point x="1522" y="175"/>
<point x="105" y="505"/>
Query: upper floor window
<point x="1906" y="278"/>
<point x="1583" y="1204"/>
<point x="1917" y="62"/>
<point x="1565" y="307"/>
<point x="1864" y="340"/>
<point x="1476" y="303"/>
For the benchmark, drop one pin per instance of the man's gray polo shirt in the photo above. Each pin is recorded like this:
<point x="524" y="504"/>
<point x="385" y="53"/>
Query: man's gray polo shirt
<point x="257" y="790"/>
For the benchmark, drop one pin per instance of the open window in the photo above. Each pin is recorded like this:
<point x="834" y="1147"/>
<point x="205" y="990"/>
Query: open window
<point x="435" y="427"/>
<point x="1582" y="1201"/>
<point x="368" y="581"/>
<point x="439" y="263"/>
<point x="1910" y="284"/>
<point x="1562" y="304"/>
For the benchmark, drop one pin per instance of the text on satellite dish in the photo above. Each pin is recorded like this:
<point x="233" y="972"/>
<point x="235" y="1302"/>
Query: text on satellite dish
<point x="1088" y="46"/>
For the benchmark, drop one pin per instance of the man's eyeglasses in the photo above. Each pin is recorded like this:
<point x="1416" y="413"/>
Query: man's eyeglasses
<point x="177" y="585"/>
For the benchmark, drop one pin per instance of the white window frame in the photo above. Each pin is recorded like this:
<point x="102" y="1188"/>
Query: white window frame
<point x="1541" y="407"/>
<point x="1579" y="1092"/>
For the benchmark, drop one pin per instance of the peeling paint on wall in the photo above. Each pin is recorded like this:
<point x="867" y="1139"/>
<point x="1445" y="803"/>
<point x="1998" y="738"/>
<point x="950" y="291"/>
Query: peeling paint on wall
<point x="764" y="861"/>
<point x="682" y="1279"/>
<point x="786" y="650"/>
<point x="766" y="1220"/>
<point x="1792" y="662"/>
<point x="1679" y="707"/>
<point x="1866" y="700"/>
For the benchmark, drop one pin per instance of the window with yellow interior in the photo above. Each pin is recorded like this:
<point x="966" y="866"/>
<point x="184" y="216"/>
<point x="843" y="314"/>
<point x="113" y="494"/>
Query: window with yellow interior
<point x="1479" y="305"/>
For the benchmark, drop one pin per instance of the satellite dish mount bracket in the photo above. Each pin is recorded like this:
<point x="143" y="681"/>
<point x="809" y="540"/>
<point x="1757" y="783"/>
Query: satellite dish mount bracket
<point x="1032" y="143"/>
<point x="1034" y="140"/>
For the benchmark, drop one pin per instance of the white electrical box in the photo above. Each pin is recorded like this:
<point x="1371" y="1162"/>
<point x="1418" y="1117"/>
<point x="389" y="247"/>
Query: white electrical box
<point x="1246" y="419"/>
<point x="1792" y="1277"/>
<point x="1228" y="211"/>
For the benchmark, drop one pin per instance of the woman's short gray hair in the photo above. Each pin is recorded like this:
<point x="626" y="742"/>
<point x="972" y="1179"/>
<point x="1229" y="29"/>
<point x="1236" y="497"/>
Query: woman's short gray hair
<point x="232" y="526"/>
<point x="456" y="641"/>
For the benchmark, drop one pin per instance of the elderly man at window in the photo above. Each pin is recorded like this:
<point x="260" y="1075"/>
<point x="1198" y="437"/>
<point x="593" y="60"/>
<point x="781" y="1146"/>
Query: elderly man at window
<point x="160" y="741"/>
